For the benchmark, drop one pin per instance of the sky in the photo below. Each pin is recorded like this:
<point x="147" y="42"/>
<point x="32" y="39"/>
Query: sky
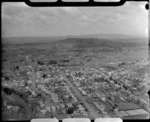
<point x="19" y="20"/>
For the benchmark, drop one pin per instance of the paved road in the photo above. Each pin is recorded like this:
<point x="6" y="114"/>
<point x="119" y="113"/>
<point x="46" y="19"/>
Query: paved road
<point x="80" y="97"/>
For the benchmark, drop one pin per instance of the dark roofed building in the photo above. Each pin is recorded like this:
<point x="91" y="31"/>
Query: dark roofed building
<point x="131" y="110"/>
<point x="136" y="117"/>
<point x="127" y="106"/>
<point x="136" y="114"/>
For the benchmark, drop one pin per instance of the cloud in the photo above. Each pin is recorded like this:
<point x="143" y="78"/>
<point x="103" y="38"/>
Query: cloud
<point x="71" y="10"/>
<point x="15" y="13"/>
<point x="11" y="10"/>
<point x="84" y="18"/>
<point x="142" y="7"/>
<point x="20" y="4"/>
<point x="20" y="13"/>
<point x="15" y="4"/>
<point x="80" y="18"/>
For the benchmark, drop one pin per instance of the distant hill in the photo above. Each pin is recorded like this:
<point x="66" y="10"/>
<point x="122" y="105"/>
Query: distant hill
<point x="92" y="42"/>
<point x="99" y="39"/>
<point x="21" y="40"/>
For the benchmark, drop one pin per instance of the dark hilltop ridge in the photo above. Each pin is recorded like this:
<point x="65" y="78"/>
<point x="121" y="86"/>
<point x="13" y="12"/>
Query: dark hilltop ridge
<point x="96" y="39"/>
<point x="93" y="43"/>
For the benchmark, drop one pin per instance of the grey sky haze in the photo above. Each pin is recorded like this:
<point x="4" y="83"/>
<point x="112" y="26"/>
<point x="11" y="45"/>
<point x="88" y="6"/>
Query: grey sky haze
<point x="19" y="19"/>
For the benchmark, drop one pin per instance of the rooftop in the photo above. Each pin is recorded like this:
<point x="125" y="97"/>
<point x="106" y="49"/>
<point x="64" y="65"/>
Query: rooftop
<point x="127" y="106"/>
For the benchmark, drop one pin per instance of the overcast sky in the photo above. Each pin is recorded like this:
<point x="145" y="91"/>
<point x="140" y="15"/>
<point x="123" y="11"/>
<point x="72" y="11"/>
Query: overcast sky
<point x="19" y="19"/>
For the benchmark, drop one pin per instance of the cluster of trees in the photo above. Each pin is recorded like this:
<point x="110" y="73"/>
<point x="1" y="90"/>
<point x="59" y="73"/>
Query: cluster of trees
<point x="122" y="64"/>
<point x="78" y="74"/>
<point x="10" y="91"/>
<point x="65" y="60"/>
<point x="70" y="110"/>
<point x="52" y="62"/>
<point x="40" y="62"/>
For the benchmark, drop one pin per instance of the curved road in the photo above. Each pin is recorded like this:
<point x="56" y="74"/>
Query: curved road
<point x="16" y="100"/>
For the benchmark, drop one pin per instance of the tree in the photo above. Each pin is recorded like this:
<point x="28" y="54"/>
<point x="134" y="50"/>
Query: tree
<point x="149" y="93"/>
<point x="70" y="110"/>
<point x="44" y="75"/>
<point x="40" y="62"/>
<point x="111" y="78"/>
